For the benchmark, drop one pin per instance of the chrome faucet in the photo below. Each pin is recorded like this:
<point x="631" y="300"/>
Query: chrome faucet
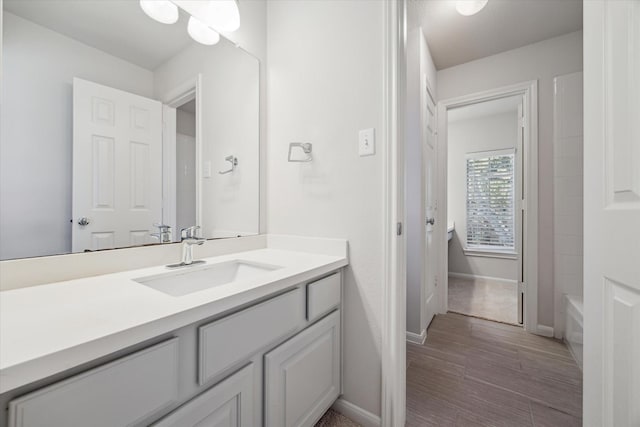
<point x="188" y="238"/>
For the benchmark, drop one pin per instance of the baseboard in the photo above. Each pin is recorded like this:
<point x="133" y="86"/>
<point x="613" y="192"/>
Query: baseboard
<point x="545" y="331"/>
<point x="417" y="338"/>
<point x="475" y="277"/>
<point x="356" y="413"/>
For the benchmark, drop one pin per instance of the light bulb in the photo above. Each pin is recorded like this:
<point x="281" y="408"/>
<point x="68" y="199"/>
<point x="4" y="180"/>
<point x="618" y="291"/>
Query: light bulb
<point x="221" y="15"/>
<point x="470" y="7"/>
<point x="161" y="10"/>
<point x="202" y="33"/>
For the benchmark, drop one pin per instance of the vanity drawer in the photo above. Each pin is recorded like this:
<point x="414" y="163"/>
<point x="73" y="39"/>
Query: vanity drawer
<point x="235" y="338"/>
<point x="323" y="296"/>
<point x="121" y="393"/>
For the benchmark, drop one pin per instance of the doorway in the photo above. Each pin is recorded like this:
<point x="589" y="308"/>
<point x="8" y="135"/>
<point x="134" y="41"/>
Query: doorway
<point x="186" y="165"/>
<point x="483" y="194"/>
<point x="182" y="153"/>
<point x="518" y="242"/>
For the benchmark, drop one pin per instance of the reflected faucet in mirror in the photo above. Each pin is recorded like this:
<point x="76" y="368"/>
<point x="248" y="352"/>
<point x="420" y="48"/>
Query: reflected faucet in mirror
<point x="164" y="233"/>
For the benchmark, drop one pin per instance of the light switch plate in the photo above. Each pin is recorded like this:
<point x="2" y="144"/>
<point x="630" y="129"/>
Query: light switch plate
<point x="367" y="142"/>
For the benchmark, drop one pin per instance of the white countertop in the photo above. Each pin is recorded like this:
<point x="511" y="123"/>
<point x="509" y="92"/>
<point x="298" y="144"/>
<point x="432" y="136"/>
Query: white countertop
<point x="50" y="328"/>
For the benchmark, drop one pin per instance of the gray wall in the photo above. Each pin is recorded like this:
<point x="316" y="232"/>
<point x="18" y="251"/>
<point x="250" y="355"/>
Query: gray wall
<point x="494" y="132"/>
<point x="539" y="61"/>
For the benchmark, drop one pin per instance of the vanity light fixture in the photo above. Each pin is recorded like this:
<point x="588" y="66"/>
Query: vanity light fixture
<point x="221" y="15"/>
<point x="162" y="11"/>
<point x="202" y="33"/>
<point x="208" y="17"/>
<point x="470" y="7"/>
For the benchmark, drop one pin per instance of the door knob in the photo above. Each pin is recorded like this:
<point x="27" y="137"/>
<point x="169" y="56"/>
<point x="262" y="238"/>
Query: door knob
<point x="83" y="221"/>
<point x="431" y="221"/>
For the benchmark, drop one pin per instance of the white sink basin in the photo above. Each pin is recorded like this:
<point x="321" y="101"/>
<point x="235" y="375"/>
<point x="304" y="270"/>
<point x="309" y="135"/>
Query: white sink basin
<point x="194" y="279"/>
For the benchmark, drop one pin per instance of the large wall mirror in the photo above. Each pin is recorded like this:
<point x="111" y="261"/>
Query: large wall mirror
<point x="114" y="124"/>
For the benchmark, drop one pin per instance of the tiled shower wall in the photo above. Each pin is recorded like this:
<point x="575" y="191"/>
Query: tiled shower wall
<point x="568" y="192"/>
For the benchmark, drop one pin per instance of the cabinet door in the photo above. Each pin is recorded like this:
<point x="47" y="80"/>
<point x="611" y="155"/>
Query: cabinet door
<point x="227" y="404"/>
<point x="302" y="376"/>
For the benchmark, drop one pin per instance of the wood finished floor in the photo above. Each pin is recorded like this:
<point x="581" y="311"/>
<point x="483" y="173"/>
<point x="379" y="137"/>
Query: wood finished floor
<point x="474" y="372"/>
<point x="487" y="299"/>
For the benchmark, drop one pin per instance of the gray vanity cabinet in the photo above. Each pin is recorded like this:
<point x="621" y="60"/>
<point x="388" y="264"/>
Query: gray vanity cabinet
<point x="302" y="376"/>
<point x="227" y="404"/>
<point x="275" y="362"/>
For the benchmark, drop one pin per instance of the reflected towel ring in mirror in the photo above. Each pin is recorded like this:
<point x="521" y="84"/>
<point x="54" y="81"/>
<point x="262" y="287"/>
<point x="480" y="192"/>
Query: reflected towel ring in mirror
<point x="306" y="148"/>
<point x="234" y="163"/>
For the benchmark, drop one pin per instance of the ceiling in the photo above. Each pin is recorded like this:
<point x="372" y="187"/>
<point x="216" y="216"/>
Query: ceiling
<point x="118" y="27"/>
<point x="502" y="25"/>
<point x="486" y="108"/>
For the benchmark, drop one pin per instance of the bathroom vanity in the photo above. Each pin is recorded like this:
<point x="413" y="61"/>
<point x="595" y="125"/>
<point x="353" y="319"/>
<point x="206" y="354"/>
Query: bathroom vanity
<point x="261" y="346"/>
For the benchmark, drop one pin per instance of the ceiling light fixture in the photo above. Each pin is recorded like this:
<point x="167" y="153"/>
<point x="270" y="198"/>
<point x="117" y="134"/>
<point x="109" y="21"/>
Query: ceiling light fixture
<point x="470" y="7"/>
<point x="201" y="32"/>
<point x="161" y="10"/>
<point x="221" y="15"/>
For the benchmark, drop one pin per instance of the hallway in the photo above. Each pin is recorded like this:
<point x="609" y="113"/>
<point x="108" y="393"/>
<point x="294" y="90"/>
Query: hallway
<point x="473" y="372"/>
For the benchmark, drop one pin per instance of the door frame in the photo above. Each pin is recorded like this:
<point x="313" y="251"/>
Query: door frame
<point x="529" y="92"/>
<point x="174" y="98"/>
<point x="394" y="284"/>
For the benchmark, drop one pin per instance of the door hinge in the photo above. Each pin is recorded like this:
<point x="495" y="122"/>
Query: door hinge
<point x="521" y="122"/>
<point x="399" y="229"/>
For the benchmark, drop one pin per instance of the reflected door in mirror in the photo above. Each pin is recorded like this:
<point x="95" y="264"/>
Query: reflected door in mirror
<point x="117" y="167"/>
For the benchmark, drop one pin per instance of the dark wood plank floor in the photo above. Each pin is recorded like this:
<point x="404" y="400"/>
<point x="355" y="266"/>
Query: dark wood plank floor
<point x="473" y="372"/>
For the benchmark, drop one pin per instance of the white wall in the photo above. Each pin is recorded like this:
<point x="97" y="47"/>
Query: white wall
<point x="494" y="132"/>
<point x="568" y="193"/>
<point x="230" y="126"/>
<point x="325" y="84"/>
<point x="542" y="61"/>
<point x="35" y="143"/>
<point x="419" y="64"/>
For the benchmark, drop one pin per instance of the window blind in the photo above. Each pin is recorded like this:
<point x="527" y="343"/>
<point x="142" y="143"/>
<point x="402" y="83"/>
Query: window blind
<point x="491" y="200"/>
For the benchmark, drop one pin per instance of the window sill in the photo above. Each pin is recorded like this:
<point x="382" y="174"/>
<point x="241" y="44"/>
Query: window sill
<point x="491" y="254"/>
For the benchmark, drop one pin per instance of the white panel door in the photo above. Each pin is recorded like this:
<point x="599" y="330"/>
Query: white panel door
<point x="117" y="167"/>
<point x="612" y="213"/>
<point x="430" y="302"/>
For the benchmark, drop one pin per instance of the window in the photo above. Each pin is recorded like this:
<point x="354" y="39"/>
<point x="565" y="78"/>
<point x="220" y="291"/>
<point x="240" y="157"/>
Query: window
<point x="491" y="201"/>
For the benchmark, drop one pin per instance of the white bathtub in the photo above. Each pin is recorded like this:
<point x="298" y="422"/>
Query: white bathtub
<point x="573" y="326"/>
